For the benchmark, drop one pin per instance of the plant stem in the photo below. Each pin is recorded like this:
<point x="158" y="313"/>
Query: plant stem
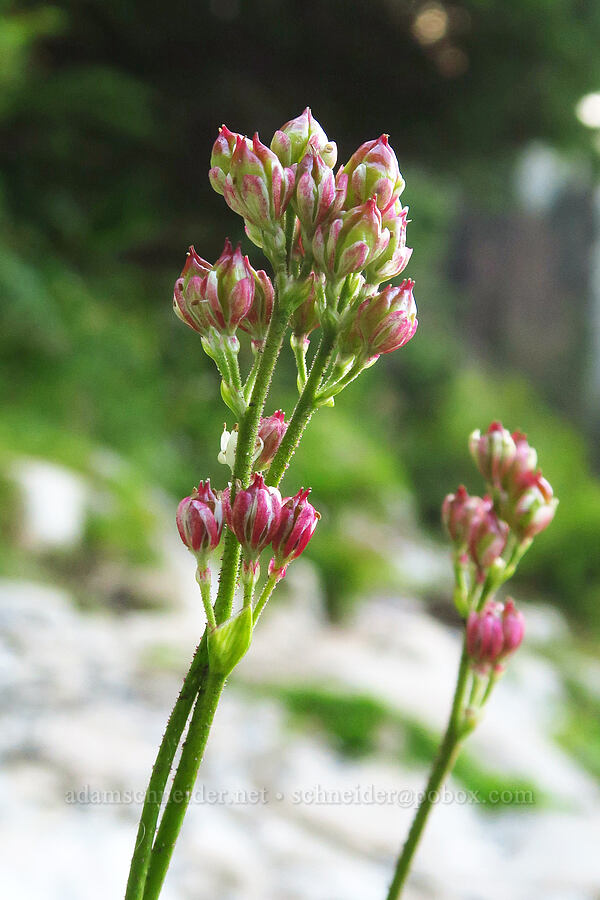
<point x="267" y="590"/>
<point x="227" y="581"/>
<point x="183" y="784"/>
<point x="305" y="407"/>
<point x="446" y="757"/>
<point x="160" y="772"/>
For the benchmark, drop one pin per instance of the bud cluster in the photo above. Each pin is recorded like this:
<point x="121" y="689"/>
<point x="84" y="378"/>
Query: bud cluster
<point x="493" y="634"/>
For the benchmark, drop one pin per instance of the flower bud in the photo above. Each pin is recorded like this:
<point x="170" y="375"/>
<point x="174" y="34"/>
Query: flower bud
<point x="395" y="257"/>
<point x="317" y="198"/>
<point x="383" y="322"/>
<point x="200" y="520"/>
<point x="532" y="508"/>
<point x="487" y="538"/>
<point x="373" y="172"/>
<point x="254" y="516"/>
<point x="189" y="304"/>
<point x="297" y="522"/>
<point x="229" y="288"/>
<point x="485" y="638"/>
<point x="270" y="435"/>
<point x="256" y="322"/>
<point x="296" y="137"/>
<point x="220" y="160"/>
<point x="257" y="187"/>
<point x="460" y="511"/>
<point x="493" y="634"/>
<point x="351" y="242"/>
<point x="525" y="458"/>
<point x="493" y="452"/>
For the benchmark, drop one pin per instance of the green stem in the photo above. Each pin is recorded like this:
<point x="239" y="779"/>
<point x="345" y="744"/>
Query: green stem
<point x="267" y="590"/>
<point x="448" y="751"/>
<point x="183" y="785"/>
<point x="305" y="407"/>
<point x="222" y="610"/>
<point x="251" y="379"/>
<point x="160" y="772"/>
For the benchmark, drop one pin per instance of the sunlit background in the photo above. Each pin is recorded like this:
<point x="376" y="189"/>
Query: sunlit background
<point x="110" y="413"/>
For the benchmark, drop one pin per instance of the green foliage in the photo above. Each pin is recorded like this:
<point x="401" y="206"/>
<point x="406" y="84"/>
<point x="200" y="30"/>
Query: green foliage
<point x="579" y="732"/>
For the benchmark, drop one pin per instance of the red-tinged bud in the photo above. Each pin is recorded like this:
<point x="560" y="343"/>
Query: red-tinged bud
<point x="485" y="638"/>
<point x="256" y="322"/>
<point x="487" y="538"/>
<point x="189" y="303"/>
<point x="459" y="513"/>
<point x="254" y="516"/>
<point x="305" y="317"/>
<point x="270" y="435"/>
<point x="493" y="634"/>
<point x="298" y="136"/>
<point x="525" y="458"/>
<point x="351" y="242"/>
<point x="257" y="186"/>
<point x="200" y="520"/>
<point x="384" y="322"/>
<point x="317" y="198"/>
<point x="229" y="288"/>
<point x="297" y="523"/>
<point x="373" y="172"/>
<point x="220" y="160"/>
<point x="513" y="627"/>
<point x="532" y="508"/>
<point x="494" y="453"/>
<point x="395" y="257"/>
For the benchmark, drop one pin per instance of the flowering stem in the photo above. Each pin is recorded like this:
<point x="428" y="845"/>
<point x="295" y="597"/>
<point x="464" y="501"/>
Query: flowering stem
<point x="195" y="677"/>
<point x="183" y="784"/>
<point x="160" y="772"/>
<point x="305" y="407"/>
<point x="267" y="590"/>
<point x="448" y="751"/>
<point x="203" y="579"/>
<point x="251" y="379"/>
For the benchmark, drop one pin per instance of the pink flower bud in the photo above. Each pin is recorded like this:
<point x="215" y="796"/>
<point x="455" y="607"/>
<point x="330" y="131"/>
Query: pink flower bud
<point x="525" y="459"/>
<point x="254" y="516"/>
<point x="297" y="523"/>
<point x="220" y="160"/>
<point x="493" y="634"/>
<point x="257" y="186"/>
<point x="200" y="520"/>
<point x="373" y="172"/>
<point x="513" y="627"/>
<point x="270" y="433"/>
<point x="256" y="322"/>
<point x="485" y="637"/>
<point x="531" y="506"/>
<point x="384" y="322"/>
<point x="298" y="136"/>
<point x="487" y="538"/>
<point x="351" y="242"/>
<point x="395" y="257"/>
<point x="460" y="512"/>
<point x="229" y="288"/>
<point x="189" y="303"/>
<point x="494" y="453"/>
<point x="317" y="198"/>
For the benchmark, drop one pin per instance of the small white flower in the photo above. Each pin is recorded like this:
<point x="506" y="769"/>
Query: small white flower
<point x="229" y="441"/>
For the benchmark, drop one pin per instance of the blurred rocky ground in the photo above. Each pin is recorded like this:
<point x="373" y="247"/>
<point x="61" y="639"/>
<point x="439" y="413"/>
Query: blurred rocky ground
<point x="319" y="747"/>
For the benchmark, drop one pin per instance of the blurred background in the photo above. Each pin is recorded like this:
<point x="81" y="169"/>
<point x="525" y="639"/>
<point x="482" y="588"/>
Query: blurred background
<point x="110" y="413"/>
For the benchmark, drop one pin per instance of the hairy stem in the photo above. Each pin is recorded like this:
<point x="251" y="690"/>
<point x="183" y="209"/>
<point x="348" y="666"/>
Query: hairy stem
<point x="183" y="784"/>
<point x="305" y="407"/>
<point x="227" y="582"/>
<point x="446" y="757"/>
